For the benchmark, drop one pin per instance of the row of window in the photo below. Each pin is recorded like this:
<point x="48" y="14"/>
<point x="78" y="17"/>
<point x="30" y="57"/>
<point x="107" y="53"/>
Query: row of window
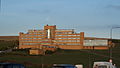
<point x="68" y="43"/>
<point x="55" y="38"/>
<point x="43" y="35"/>
<point x="95" y="42"/>
<point x="32" y="35"/>
<point x="64" y="32"/>
<point x="35" y="43"/>
<point x="49" y="43"/>
<point x="30" y="43"/>
<point x="67" y="38"/>
<point x="31" y="38"/>
<point x="36" y="33"/>
<point x="67" y="35"/>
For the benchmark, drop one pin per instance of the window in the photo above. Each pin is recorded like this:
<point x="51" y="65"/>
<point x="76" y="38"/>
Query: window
<point x="58" y="32"/>
<point x="39" y="38"/>
<point x="34" y="38"/>
<point x="78" y="40"/>
<point x="102" y="66"/>
<point x="96" y="42"/>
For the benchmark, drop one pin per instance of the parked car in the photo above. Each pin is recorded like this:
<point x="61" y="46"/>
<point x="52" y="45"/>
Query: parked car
<point x="103" y="65"/>
<point x="11" y="65"/>
<point x="64" y="66"/>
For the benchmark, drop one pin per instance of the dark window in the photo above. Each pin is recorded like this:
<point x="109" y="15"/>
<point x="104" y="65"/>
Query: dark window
<point x="102" y="66"/>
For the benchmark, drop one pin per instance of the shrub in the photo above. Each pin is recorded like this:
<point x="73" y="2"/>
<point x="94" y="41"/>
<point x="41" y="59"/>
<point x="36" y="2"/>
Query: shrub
<point x="49" y="52"/>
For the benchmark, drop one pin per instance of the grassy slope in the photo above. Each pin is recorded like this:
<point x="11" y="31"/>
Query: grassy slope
<point x="84" y="57"/>
<point x="67" y="57"/>
<point x="4" y="45"/>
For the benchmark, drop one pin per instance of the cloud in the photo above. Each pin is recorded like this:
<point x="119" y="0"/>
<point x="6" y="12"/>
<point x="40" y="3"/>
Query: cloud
<point x="114" y="6"/>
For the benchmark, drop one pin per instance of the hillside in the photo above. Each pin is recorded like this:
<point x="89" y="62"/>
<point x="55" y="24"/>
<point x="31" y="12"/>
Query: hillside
<point x="8" y="42"/>
<point x="9" y="38"/>
<point x="85" y="57"/>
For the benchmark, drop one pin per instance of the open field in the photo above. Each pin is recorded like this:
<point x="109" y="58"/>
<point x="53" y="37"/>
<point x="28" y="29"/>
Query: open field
<point x="85" y="57"/>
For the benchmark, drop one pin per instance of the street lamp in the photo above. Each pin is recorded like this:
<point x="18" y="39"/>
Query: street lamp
<point x="110" y="47"/>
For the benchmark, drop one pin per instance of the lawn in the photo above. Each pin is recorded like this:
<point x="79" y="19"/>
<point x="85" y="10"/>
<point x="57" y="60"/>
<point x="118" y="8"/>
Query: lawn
<point x="85" y="57"/>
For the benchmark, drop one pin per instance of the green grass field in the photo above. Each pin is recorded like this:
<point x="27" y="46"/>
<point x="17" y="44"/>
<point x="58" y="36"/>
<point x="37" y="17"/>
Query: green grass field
<point x="85" y="57"/>
<point x="4" y="45"/>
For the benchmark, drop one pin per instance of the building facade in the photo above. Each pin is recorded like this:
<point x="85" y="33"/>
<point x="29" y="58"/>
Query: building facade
<point x="59" y="38"/>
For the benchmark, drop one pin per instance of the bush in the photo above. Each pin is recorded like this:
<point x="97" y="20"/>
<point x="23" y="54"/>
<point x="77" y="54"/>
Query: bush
<point x="5" y="45"/>
<point x="49" y="52"/>
<point x="21" y="53"/>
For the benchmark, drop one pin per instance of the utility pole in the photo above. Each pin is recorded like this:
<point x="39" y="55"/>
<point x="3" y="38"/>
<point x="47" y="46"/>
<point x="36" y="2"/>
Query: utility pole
<point x="110" y="46"/>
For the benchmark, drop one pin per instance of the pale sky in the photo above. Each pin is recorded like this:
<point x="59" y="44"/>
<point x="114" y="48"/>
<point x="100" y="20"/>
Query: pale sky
<point x="94" y="17"/>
